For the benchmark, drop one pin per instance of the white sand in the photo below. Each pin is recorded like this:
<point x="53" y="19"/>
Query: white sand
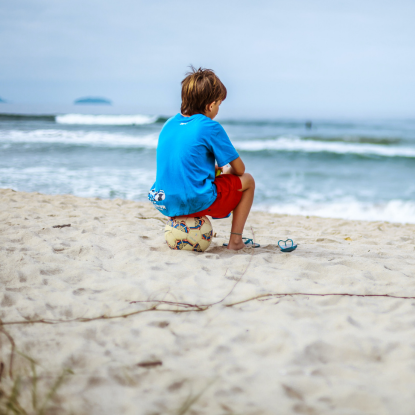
<point x="297" y="354"/>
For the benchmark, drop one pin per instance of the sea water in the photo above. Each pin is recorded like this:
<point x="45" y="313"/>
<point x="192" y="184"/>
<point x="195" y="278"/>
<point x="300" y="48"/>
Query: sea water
<point x="347" y="168"/>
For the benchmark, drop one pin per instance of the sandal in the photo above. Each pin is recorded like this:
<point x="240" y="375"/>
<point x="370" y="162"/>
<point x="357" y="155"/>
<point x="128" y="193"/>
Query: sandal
<point x="249" y="242"/>
<point x="286" y="248"/>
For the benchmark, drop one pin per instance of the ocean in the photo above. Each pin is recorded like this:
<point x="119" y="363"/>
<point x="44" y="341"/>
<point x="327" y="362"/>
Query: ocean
<point x="342" y="168"/>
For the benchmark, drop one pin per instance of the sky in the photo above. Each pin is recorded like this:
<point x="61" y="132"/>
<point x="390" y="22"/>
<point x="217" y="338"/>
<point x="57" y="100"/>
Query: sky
<point x="294" y="58"/>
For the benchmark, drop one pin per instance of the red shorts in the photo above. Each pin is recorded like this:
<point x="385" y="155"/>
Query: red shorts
<point x="228" y="187"/>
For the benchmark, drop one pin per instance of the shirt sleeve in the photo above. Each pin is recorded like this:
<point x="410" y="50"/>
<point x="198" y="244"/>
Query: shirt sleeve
<point x="222" y="147"/>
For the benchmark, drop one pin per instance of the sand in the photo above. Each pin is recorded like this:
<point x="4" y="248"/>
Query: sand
<point x="268" y="354"/>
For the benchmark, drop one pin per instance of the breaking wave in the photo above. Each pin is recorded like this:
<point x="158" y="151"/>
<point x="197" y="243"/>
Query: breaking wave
<point x="87" y="119"/>
<point x="81" y="119"/>
<point x="398" y="211"/>
<point x="295" y="144"/>
<point x="100" y="138"/>
<point x="79" y="138"/>
<point x="105" y="182"/>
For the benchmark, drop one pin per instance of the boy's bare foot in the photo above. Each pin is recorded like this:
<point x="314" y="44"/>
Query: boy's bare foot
<point x="236" y="246"/>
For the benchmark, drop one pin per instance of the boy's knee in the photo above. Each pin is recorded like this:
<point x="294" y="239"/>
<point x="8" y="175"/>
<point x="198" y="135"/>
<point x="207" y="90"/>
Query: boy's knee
<point x="249" y="180"/>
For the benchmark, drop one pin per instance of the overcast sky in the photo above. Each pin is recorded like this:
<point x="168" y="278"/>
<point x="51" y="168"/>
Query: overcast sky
<point x="277" y="58"/>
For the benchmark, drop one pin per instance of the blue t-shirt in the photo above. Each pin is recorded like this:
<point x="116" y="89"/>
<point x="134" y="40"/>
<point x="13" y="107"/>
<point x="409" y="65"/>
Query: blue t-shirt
<point x="186" y="153"/>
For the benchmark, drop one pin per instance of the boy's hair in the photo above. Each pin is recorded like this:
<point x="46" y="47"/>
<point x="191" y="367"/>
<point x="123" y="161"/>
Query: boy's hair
<point x="200" y="88"/>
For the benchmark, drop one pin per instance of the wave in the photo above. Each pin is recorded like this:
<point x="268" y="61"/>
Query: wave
<point x="105" y="182"/>
<point x="355" y="139"/>
<point x="87" y="119"/>
<point x="81" y="119"/>
<point x="295" y="123"/>
<point x="133" y="183"/>
<point x="79" y="138"/>
<point x="283" y="144"/>
<point x="319" y="123"/>
<point x="295" y="144"/>
<point x="398" y="211"/>
<point x="27" y="117"/>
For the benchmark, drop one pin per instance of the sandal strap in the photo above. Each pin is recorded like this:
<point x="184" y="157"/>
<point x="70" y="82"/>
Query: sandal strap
<point x="249" y="243"/>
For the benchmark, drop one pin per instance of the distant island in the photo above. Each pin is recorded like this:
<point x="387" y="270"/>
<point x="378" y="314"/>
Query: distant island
<point x="93" y="100"/>
<point x="2" y="100"/>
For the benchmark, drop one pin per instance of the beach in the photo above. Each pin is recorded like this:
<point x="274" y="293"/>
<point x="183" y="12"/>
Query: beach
<point x="353" y="169"/>
<point x="136" y="328"/>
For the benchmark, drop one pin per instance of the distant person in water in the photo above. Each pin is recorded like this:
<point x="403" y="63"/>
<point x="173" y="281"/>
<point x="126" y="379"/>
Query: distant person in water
<point x="188" y="182"/>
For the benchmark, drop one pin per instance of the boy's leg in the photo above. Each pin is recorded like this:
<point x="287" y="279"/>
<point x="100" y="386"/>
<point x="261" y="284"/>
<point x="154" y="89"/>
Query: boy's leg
<point x="241" y="212"/>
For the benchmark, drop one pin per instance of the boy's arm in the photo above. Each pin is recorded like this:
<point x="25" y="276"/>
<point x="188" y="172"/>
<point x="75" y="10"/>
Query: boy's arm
<point x="237" y="167"/>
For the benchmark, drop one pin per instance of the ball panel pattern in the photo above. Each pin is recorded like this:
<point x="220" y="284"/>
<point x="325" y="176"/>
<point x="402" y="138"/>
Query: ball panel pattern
<point x="207" y="236"/>
<point x="188" y="234"/>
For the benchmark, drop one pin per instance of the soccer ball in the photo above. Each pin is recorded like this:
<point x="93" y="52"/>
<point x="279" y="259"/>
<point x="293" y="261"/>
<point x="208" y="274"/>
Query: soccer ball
<point x="189" y="234"/>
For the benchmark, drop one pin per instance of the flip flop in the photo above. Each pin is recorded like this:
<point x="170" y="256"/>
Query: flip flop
<point x="249" y="242"/>
<point x="286" y="248"/>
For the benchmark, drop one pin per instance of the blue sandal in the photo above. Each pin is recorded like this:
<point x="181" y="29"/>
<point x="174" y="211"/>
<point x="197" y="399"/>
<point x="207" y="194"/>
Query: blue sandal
<point x="249" y="242"/>
<point x="286" y="248"/>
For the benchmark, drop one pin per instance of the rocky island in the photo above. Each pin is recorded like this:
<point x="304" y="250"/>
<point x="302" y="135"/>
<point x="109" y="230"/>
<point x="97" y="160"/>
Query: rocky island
<point x="93" y="100"/>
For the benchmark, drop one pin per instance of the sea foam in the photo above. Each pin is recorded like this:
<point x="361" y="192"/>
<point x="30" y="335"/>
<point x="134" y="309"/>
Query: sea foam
<point x="83" y="119"/>
<point x="291" y="144"/>
<point x="105" y="182"/>
<point x="398" y="211"/>
<point x="296" y="144"/>
<point x="82" y="138"/>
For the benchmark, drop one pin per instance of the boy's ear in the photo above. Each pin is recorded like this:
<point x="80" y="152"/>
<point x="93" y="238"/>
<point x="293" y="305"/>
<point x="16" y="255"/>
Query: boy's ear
<point x="209" y="107"/>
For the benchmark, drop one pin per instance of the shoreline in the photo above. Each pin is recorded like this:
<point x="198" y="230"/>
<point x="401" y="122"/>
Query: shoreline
<point x="217" y="322"/>
<point x="264" y="209"/>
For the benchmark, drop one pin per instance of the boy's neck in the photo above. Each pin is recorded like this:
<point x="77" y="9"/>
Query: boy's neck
<point x="187" y="116"/>
<point x="211" y="110"/>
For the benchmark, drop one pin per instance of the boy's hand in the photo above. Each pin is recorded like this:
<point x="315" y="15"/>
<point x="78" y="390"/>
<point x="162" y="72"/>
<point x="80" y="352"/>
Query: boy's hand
<point x="218" y="170"/>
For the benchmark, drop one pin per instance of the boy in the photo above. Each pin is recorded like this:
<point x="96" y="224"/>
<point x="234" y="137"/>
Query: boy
<point x="187" y="148"/>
